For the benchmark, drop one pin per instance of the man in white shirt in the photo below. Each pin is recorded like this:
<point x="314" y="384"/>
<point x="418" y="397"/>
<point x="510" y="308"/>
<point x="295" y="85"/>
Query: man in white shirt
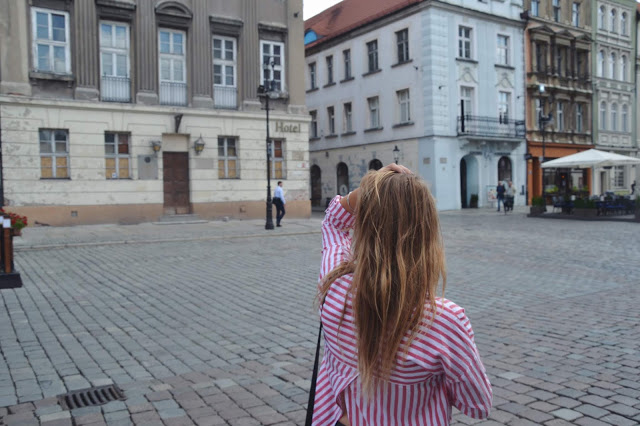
<point x="279" y="201"/>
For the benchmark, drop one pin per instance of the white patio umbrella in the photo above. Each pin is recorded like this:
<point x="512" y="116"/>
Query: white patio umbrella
<point x="590" y="158"/>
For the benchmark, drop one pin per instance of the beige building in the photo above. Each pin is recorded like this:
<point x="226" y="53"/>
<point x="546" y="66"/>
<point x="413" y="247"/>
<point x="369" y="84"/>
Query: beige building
<point x="125" y="111"/>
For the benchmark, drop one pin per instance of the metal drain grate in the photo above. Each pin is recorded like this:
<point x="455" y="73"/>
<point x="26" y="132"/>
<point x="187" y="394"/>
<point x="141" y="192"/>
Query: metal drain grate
<point x="91" y="397"/>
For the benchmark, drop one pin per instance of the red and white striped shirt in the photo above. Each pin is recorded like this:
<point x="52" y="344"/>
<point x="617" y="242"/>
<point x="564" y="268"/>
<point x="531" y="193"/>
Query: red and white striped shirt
<point x="442" y="367"/>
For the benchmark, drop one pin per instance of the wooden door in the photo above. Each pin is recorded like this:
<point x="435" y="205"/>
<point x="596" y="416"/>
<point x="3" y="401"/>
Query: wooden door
<point x="175" y="173"/>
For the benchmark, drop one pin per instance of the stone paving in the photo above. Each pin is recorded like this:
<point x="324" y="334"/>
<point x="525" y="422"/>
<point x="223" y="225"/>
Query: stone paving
<point x="213" y="323"/>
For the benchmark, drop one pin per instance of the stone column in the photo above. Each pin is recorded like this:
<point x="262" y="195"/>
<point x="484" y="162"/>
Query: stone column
<point x="85" y="58"/>
<point x="250" y="42"/>
<point x="201" y="57"/>
<point x="14" y="49"/>
<point x="145" y="62"/>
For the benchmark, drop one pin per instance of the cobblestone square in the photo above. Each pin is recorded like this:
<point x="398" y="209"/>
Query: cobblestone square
<point x="213" y="324"/>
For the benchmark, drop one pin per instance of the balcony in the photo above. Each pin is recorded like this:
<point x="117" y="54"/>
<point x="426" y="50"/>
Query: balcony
<point x="115" y="89"/>
<point x="225" y="97"/>
<point x="173" y="93"/>
<point x="490" y="127"/>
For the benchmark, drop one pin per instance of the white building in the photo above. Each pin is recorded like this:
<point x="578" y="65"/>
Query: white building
<point x="615" y="90"/>
<point x="401" y="76"/>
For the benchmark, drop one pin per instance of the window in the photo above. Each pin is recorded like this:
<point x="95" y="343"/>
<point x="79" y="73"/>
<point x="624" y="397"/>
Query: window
<point x="464" y="42"/>
<point x="117" y="155"/>
<point x="346" y="56"/>
<point x="601" y="63"/>
<point x="612" y="66"/>
<point x="227" y="158"/>
<point x="602" y="20"/>
<point x="504" y="100"/>
<point x="618" y="176"/>
<point x="313" y="130"/>
<point x="579" y="118"/>
<point x="623" y="23"/>
<point x="535" y="7"/>
<point x="347" y="125"/>
<point x="331" y="120"/>
<point x="538" y="112"/>
<point x="404" y="106"/>
<point x="560" y="117"/>
<point x="273" y="56"/>
<point x="466" y="100"/>
<point x="402" y="42"/>
<point x="614" y="117"/>
<point x="603" y="115"/>
<point x="51" y="41"/>
<point x="372" y="55"/>
<point x="623" y="68"/>
<point x="625" y="118"/>
<point x="277" y="159"/>
<point x="173" y="71"/>
<point x="374" y="112"/>
<point x="312" y="75"/>
<point x="559" y="57"/>
<point x="503" y="50"/>
<point x="114" y="62"/>
<point x="329" y="69"/>
<point x="575" y="14"/>
<point x="556" y="10"/>
<point x="54" y="154"/>
<point x="613" y="26"/>
<point x="541" y="57"/>
<point x="224" y="72"/>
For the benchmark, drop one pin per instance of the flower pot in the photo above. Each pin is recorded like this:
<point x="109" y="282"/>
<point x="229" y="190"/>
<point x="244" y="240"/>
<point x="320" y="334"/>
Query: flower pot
<point x="585" y="212"/>
<point x="16" y="232"/>
<point x="537" y="210"/>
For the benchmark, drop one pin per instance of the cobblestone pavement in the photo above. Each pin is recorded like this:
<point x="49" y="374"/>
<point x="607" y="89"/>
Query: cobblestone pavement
<point x="213" y="323"/>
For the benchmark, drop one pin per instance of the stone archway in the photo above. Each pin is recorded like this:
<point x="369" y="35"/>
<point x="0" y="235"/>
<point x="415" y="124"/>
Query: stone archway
<point x="505" y="169"/>
<point x="342" y="174"/>
<point x="469" y="180"/>
<point x="375" y="164"/>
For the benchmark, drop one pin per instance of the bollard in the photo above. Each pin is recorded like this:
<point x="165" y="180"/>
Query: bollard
<point x="9" y="278"/>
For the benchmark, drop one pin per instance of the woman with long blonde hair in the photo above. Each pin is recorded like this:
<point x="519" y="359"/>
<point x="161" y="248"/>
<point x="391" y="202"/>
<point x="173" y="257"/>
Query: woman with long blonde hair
<point x="394" y="353"/>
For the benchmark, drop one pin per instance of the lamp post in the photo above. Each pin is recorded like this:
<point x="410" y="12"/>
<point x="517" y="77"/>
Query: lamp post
<point x="396" y="154"/>
<point x="265" y="92"/>
<point x="543" y="122"/>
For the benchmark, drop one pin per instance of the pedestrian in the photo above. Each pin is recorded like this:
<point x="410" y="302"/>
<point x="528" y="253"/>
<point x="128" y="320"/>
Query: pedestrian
<point x="500" y="190"/>
<point x="279" y="201"/>
<point x="633" y="187"/>
<point x="510" y="194"/>
<point x="394" y="353"/>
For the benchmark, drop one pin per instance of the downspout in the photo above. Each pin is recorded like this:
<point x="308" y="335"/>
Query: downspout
<point x="1" y="175"/>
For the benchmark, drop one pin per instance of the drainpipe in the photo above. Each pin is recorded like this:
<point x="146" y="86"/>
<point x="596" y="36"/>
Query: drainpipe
<point x="1" y="177"/>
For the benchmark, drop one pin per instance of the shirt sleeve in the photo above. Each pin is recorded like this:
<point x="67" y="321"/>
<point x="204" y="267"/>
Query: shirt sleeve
<point x="336" y="240"/>
<point x="467" y="384"/>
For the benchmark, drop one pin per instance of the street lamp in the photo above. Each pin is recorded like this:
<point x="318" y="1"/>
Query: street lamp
<point x="543" y="122"/>
<point x="265" y="92"/>
<point x="396" y="154"/>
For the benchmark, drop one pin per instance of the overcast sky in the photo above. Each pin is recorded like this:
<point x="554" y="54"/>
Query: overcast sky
<point x="313" y="7"/>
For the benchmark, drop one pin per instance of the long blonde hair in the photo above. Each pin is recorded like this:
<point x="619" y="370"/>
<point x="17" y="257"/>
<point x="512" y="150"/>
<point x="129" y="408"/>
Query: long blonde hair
<point x="397" y="260"/>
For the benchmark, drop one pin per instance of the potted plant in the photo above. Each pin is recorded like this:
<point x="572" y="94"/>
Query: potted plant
<point x="638" y="208"/>
<point x="17" y="222"/>
<point x="473" y="201"/>
<point x="538" y="206"/>
<point x="585" y="208"/>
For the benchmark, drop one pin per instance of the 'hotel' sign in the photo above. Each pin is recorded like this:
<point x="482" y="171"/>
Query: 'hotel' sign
<point x="287" y="128"/>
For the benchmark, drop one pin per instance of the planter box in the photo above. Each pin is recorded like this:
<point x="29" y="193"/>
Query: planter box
<point x="581" y="212"/>
<point x="637" y="215"/>
<point x="537" y="210"/>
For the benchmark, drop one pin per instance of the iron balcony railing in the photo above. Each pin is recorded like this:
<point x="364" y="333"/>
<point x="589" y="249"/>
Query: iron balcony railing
<point x="225" y="97"/>
<point x="173" y="93"/>
<point x="501" y="127"/>
<point x="115" y="89"/>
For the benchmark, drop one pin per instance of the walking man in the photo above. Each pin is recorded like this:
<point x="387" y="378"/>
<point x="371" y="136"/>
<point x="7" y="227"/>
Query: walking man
<point x="279" y="201"/>
<point x="500" y="190"/>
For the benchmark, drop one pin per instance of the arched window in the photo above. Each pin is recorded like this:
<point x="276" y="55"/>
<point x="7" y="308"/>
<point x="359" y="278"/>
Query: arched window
<point x="601" y="63"/>
<point x="342" y="172"/>
<point x="316" y="186"/>
<point x="602" y="20"/>
<point x="603" y="115"/>
<point x="625" y="118"/>
<point x="612" y="66"/>
<point x="623" y="23"/>
<point x="504" y="169"/>
<point x="375" y="164"/>
<point x="614" y="117"/>
<point x="613" y="26"/>
<point x="623" y="68"/>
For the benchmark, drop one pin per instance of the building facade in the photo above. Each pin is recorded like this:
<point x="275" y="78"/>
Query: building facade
<point x="125" y="111"/>
<point x="439" y="83"/>
<point x="614" y="95"/>
<point x="558" y="42"/>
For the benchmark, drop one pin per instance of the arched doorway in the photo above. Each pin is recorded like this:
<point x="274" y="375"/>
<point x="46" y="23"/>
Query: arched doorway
<point x="342" y="172"/>
<point x="375" y="164"/>
<point x="469" y="183"/>
<point x="504" y="169"/>
<point x="316" y="186"/>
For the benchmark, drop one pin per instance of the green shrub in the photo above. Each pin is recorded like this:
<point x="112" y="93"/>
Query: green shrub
<point x="581" y="203"/>
<point x="537" y="201"/>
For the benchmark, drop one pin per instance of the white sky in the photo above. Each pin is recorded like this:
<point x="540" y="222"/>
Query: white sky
<point x="313" y="7"/>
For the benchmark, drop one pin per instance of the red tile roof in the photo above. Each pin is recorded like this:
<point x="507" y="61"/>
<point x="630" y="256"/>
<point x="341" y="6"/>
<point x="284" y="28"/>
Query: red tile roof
<point x="350" y="14"/>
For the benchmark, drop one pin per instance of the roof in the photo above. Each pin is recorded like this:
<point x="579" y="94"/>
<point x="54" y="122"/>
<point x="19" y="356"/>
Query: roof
<point x="350" y="14"/>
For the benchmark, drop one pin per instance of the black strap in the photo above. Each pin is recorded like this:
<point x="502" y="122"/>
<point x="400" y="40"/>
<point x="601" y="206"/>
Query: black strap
<point x="314" y="378"/>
